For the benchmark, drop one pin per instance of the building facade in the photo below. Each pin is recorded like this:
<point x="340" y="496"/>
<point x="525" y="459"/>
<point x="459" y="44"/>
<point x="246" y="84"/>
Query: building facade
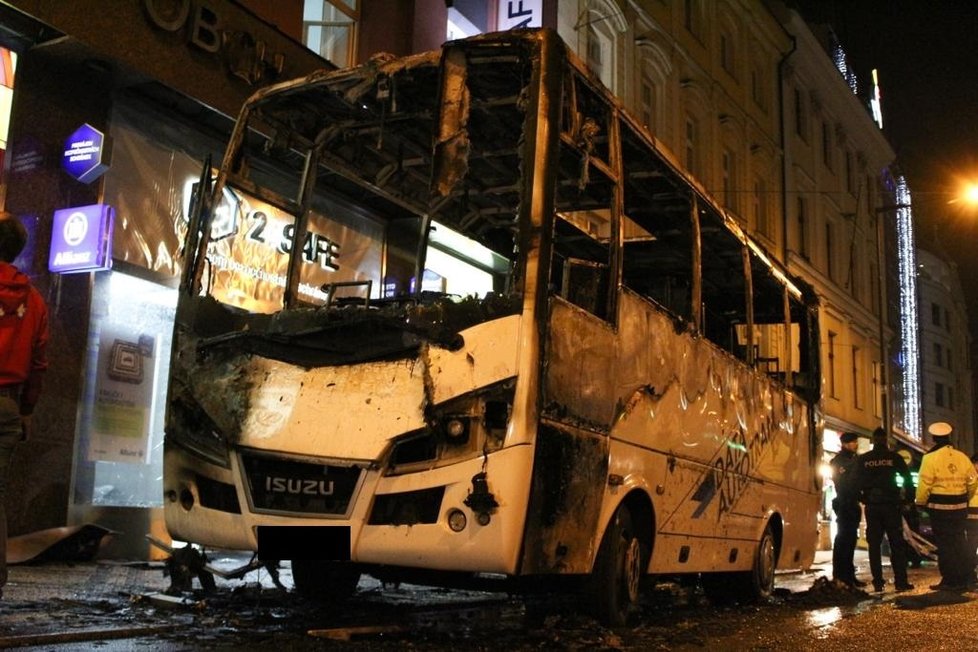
<point x="946" y="378"/>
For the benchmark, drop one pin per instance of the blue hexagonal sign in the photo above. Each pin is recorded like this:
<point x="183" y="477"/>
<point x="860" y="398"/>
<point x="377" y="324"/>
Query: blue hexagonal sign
<point x="86" y="155"/>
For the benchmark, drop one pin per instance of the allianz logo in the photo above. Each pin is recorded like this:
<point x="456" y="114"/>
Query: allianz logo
<point x="298" y="486"/>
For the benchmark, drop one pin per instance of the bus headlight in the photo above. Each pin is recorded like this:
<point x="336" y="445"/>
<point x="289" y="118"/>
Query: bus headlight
<point x="455" y="429"/>
<point x="466" y="426"/>
<point x="457" y="520"/>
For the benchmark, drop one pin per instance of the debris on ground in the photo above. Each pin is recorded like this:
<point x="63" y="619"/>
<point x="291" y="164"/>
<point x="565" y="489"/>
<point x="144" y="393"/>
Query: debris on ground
<point x="173" y="601"/>
<point x="347" y="633"/>
<point x="183" y="566"/>
<point x="825" y="592"/>
<point x="67" y="543"/>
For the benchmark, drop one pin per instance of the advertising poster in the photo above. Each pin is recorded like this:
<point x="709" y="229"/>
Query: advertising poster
<point x="123" y="403"/>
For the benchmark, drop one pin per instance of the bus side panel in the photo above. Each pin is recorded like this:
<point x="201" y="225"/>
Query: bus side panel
<point x="570" y="467"/>
<point x="569" y="470"/>
<point x="579" y="385"/>
<point x="721" y="447"/>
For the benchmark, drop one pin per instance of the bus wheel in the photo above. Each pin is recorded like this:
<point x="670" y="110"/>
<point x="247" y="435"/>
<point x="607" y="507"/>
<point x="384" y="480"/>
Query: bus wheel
<point x="759" y="581"/>
<point x="754" y="585"/>
<point x="325" y="581"/>
<point x="618" y="569"/>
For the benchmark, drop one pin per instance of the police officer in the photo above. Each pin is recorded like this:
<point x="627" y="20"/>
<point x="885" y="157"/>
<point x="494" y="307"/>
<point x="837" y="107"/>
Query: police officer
<point x="847" y="511"/>
<point x="883" y="496"/>
<point x="947" y="482"/>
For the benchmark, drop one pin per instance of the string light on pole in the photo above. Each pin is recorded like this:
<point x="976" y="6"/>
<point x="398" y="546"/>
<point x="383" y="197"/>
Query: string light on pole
<point x="907" y="271"/>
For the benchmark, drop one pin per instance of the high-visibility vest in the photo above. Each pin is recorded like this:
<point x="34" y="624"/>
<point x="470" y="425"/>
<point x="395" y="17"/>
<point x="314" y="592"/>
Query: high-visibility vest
<point x="947" y="480"/>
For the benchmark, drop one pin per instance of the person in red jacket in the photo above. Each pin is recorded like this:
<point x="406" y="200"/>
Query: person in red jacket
<point x="23" y="341"/>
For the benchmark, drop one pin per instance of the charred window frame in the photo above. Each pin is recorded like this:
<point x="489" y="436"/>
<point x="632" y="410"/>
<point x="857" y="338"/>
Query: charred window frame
<point x="725" y="317"/>
<point x="585" y="236"/>
<point x="478" y="168"/>
<point x="780" y="325"/>
<point x="658" y="236"/>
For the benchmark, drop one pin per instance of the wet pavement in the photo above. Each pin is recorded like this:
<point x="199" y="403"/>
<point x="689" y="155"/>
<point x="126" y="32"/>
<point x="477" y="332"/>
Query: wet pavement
<point x="121" y="606"/>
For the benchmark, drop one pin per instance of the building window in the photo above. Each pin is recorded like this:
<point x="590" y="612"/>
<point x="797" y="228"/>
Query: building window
<point x="827" y="145"/>
<point x="692" y="18"/>
<point x="874" y="296"/>
<point x="761" y="221"/>
<point x="729" y="176"/>
<point x="803" y="247"/>
<point x="758" y="89"/>
<point x="599" y="50"/>
<point x="939" y="394"/>
<point x="801" y="115"/>
<point x="850" y="174"/>
<point x="950" y="398"/>
<point x="937" y="355"/>
<point x="466" y="18"/>
<point x="647" y="103"/>
<point x="595" y="59"/>
<point x="829" y="250"/>
<point x="329" y="28"/>
<point x="857" y="394"/>
<point x="947" y="321"/>
<point x="691" y="145"/>
<point x="831" y="370"/>
<point x="727" y="53"/>
<point x="935" y="314"/>
<point x="877" y="390"/>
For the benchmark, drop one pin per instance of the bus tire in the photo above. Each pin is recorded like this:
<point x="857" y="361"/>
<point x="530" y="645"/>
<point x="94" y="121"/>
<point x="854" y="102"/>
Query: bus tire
<point x="618" y="570"/>
<point x="324" y="581"/>
<point x="758" y="583"/>
<point x="755" y="585"/>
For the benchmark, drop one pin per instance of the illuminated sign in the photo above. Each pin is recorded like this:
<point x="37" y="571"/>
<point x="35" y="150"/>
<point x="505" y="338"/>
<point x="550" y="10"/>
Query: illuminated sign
<point x="81" y="239"/>
<point x="85" y="154"/>
<point x="276" y="233"/>
<point x="515" y="14"/>
<point x="875" y="102"/>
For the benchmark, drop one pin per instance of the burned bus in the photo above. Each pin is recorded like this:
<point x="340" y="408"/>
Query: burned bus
<point x="458" y="315"/>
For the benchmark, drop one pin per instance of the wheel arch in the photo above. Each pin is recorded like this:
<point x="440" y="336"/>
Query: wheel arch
<point x="776" y="523"/>
<point x="640" y="507"/>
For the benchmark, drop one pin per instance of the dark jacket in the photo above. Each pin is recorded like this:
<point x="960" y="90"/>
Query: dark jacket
<point x="843" y="474"/>
<point x="876" y="477"/>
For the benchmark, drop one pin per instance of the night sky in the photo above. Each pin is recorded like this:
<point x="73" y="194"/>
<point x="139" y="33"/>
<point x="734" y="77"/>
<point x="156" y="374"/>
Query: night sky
<point x="926" y="52"/>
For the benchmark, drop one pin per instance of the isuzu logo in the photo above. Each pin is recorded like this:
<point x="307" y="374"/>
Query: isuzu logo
<point x="298" y="486"/>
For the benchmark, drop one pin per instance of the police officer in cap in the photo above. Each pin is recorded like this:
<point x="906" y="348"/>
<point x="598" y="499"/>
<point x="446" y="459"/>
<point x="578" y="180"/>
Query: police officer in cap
<point x="947" y="482"/>
<point x="883" y="495"/>
<point x="847" y="510"/>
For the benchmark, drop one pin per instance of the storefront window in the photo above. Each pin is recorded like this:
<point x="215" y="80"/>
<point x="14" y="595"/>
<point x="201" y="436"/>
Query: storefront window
<point x="120" y="455"/>
<point x="119" y="449"/>
<point x="8" y="64"/>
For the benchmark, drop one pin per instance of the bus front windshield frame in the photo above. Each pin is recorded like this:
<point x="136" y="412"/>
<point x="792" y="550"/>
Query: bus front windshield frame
<point x="342" y="175"/>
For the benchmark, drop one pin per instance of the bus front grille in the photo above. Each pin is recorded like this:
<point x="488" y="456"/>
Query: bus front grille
<point x="283" y="486"/>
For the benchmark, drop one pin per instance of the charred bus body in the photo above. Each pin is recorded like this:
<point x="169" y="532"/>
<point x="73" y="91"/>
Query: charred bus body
<point x="457" y="312"/>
